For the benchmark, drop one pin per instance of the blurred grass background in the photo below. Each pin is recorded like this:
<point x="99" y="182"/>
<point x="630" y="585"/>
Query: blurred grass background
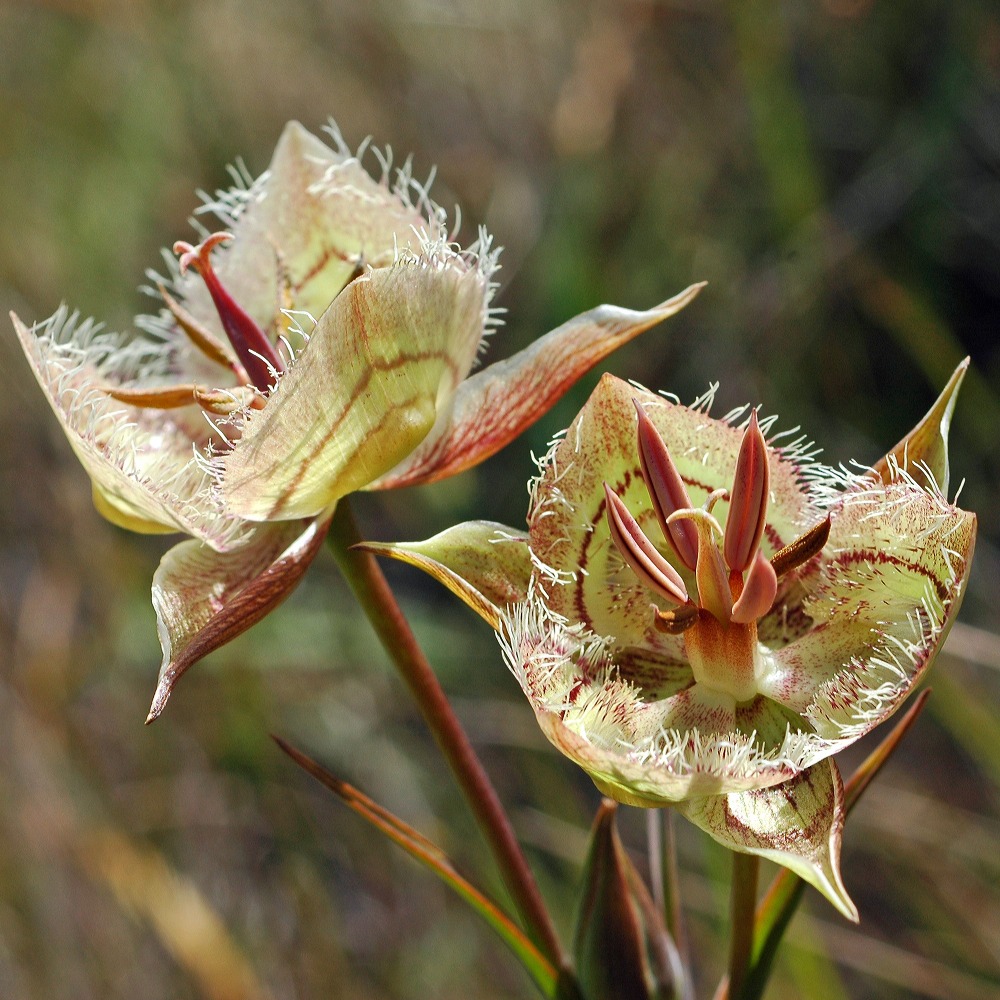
<point x="831" y="168"/>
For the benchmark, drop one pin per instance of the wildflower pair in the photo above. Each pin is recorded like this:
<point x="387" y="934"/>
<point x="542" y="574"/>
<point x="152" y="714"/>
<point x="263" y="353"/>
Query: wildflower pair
<point x="699" y="617"/>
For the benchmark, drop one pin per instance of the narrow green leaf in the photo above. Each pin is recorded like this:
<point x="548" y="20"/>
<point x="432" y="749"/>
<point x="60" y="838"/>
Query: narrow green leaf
<point x="874" y="762"/>
<point x="430" y="855"/>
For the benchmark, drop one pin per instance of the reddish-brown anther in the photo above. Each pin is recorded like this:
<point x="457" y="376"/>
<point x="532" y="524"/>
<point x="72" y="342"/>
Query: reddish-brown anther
<point x="666" y="489"/>
<point x="748" y="503"/>
<point x="640" y="553"/>
<point x="259" y="357"/>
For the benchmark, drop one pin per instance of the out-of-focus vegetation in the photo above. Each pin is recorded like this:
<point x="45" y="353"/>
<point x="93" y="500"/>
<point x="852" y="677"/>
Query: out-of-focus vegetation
<point x="832" y="169"/>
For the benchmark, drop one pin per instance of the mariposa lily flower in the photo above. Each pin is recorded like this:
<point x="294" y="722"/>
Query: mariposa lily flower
<point x="702" y="619"/>
<point x="322" y="345"/>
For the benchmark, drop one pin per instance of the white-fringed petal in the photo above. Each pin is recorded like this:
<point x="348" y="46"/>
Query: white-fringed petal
<point x="642" y="745"/>
<point x="302" y="228"/>
<point x="147" y="467"/>
<point x="892" y="578"/>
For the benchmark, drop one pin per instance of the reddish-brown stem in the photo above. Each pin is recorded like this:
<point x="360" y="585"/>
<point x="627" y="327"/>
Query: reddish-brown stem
<point x="376" y="598"/>
<point x="742" y="907"/>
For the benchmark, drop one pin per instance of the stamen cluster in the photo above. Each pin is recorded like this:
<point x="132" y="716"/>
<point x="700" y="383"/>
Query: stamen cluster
<point x="254" y="360"/>
<point x="735" y="584"/>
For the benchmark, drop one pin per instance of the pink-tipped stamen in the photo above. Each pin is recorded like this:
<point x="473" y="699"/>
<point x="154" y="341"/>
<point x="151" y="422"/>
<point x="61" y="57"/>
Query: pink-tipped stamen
<point x="639" y="552"/>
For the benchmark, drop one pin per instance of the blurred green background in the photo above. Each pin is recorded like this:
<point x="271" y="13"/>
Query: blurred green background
<point x="831" y="168"/>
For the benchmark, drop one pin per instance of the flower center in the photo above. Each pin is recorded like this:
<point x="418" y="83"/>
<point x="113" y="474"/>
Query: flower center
<point x="736" y="584"/>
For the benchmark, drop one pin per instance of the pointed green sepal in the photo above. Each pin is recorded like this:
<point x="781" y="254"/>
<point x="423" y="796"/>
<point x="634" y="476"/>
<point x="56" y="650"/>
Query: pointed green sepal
<point x="486" y="564"/>
<point x="925" y="449"/>
<point x="797" y="824"/>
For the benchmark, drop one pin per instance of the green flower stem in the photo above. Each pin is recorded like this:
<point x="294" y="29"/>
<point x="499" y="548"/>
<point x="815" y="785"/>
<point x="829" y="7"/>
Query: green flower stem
<point x="742" y="910"/>
<point x="671" y="886"/>
<point x="664" y="875"/>
<point x="779" y="905"/>
<point x="657" y="876"/>
<point x="362" y="572"/>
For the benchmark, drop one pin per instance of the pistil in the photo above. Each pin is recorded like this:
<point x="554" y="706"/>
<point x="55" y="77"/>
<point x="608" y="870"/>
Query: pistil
<point x="723" y="655"/>
<point x="206" y="341"/>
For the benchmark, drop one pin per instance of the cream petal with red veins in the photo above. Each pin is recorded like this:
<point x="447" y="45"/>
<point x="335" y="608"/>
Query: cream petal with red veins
<point x="494" y="406"/>
<point x="203" y="599"/>
<point x="797" y="824"/>
<point x="893" y="575"/>
<point x="381" y="364"/>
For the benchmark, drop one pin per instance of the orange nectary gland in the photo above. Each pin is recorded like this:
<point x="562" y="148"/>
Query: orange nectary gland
<point x="722" y="655"/>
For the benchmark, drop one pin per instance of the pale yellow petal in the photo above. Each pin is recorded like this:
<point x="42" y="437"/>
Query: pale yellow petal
<point x="119" y="511"/>
<point x="143" y="464"/>
<point x="643" y="732"/>
<point x="366" y="390"/>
